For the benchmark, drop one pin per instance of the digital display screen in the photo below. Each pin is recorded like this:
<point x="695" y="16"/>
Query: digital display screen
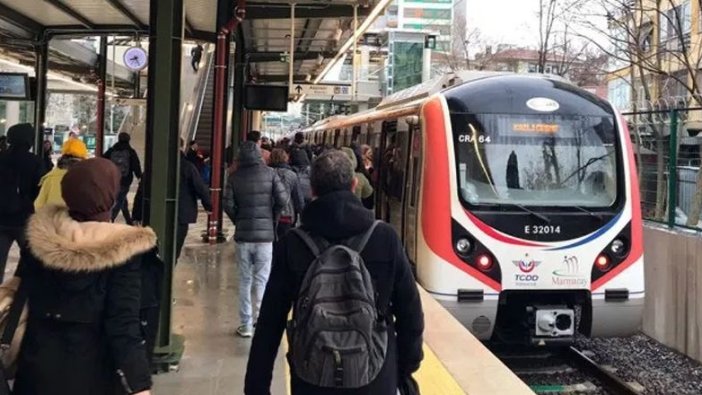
<point x="14" y="86"/>
<point x="266" y="97"/>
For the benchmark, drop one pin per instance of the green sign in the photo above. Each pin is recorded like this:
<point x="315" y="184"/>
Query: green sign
<point x="407" y="64"/>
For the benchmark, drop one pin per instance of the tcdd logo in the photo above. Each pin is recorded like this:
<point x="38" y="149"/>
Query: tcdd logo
<point x="526" y="265"/>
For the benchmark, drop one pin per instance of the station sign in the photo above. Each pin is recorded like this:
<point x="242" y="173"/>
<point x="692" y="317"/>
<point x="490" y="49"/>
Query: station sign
<point x="320" y="90"/>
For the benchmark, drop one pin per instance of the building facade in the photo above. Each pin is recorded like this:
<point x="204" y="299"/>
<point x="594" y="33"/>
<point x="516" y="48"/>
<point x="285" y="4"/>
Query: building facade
<point x="435" y="16"/>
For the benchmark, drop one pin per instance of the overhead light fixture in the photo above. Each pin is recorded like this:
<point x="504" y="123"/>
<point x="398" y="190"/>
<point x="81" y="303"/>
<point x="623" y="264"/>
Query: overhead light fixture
<point x="382" y="4"/>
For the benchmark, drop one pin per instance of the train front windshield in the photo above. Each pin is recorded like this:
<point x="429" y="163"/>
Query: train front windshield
<point x="536" y="160"/>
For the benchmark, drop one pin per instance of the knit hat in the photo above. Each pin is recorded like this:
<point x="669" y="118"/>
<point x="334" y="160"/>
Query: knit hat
<point x="75" y="147"/>
<point x="21" y="134"/>
<point x="90" y="189"/>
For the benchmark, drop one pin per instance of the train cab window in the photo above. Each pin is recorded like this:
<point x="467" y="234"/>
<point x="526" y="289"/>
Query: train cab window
<point x="536" y="160"/>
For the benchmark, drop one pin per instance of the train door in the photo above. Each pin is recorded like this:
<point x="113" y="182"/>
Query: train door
<point x="414" y="174"/>
<point x="394" y="148"/>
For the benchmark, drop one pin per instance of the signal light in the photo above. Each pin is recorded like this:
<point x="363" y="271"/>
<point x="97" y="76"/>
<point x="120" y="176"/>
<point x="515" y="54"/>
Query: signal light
<point x="618" y="248"/>
<point x="603" y="263"/>
<point x="463" y="246"/>
<point x="484" y="262"/>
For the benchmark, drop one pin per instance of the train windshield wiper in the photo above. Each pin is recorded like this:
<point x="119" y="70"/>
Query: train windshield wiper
<point x="587" y="164"/>
<point x="530" y="211"/>
<point x="589" y="212"/>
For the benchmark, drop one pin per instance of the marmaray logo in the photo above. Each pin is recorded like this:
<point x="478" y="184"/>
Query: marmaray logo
<point x="569" y="275"/>
<point x="526" y="265"/>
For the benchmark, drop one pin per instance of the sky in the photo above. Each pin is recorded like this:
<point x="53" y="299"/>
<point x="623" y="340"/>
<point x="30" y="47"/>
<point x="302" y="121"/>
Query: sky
<point x="504" y="21"/>
<point x="511" y="21"/>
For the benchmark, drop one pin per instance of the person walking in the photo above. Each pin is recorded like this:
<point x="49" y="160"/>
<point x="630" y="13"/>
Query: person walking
<point x="73" y="152"/>
<point x="334" y="218"/>
<point x="296" y="201"/>
<point x="20" y="172"/>
<point x="123" y="155"/>
<point x="300" y="163"/>
<point x="191" y="189"/>
<point x="253" y="199"/>
<point x="196" y="57"/>
<point x="83" y="282"/>
<point x="299" y="144"/>
<point x="254" y="136"/>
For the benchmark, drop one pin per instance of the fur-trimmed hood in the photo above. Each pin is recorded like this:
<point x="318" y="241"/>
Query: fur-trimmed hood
<point x="62" y="243"/>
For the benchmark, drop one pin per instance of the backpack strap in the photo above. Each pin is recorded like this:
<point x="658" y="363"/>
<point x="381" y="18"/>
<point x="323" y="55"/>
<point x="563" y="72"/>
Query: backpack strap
<point x="313" y="245"/>
<point x="358" y="243"/>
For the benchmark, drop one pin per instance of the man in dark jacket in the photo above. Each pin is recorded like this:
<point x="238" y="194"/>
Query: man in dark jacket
<point x="299" y="144"/>
<point x="123" y="155"/>
<point x="20" y="173"/>
<point x="191" y="188"/>
<point x="253" y="199"/>
<point x="337" y="215"/>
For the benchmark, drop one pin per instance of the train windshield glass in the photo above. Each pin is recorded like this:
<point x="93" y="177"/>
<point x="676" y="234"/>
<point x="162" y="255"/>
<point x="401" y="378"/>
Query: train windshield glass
<point x="536" y="160"/>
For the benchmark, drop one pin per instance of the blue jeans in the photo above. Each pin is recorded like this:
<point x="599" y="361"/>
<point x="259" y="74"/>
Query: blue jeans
<point x="254" y="260"/>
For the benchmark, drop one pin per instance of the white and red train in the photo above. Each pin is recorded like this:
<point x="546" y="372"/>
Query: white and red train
<point x="517" y="199"/>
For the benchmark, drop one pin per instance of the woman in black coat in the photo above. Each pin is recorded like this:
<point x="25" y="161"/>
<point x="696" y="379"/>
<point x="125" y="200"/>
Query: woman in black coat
<point x="82" y="273"/>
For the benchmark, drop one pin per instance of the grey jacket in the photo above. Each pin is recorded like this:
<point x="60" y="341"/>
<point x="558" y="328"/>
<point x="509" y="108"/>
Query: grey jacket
<point x="296" y="202"/>
<point x="254" y="197"/>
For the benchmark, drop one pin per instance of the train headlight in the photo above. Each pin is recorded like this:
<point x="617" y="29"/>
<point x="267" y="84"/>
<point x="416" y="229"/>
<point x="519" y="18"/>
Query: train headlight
<point x="484" y="262"/>
<point x="463" y="246"/>
<point x="618" y="247"/>
<point x="603" y="263"/>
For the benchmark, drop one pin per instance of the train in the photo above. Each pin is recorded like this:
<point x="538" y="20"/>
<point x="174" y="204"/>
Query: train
<point x="516" y="197"/>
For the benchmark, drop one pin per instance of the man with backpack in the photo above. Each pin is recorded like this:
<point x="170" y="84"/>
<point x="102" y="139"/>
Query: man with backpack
<point x="357" y="319"/>
<point x="20" y="172"/>
<point x="123" y="155"/>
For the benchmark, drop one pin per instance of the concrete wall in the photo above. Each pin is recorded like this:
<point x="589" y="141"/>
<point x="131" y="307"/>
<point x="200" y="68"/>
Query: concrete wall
<point x="673" y="313"/>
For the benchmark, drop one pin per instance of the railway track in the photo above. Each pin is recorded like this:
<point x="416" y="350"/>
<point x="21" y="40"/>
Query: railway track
<point x="566" y="371"/>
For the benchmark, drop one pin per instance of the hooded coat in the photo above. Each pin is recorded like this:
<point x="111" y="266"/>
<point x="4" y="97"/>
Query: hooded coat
<point x="364" y="189"/>
<point x="83" y="333"/>
<point x="336" y="217"/>
<point x="254" y="197"/>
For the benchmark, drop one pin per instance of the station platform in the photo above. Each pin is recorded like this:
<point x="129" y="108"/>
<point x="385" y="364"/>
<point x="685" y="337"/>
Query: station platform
<point x="205" y="313"/>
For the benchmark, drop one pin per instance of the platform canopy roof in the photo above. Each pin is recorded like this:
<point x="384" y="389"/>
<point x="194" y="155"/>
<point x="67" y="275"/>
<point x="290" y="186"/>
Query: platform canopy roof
<point x="321" y="28"/>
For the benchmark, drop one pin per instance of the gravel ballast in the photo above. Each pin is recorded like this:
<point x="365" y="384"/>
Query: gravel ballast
<point x="638" y="358"/>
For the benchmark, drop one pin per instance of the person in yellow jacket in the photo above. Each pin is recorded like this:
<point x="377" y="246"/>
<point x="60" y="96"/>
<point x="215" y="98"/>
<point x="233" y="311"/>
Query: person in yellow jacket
<point x="73" y="151"/>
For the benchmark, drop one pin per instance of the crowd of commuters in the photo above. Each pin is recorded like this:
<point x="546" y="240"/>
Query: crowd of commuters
<point x="94" y="285"/>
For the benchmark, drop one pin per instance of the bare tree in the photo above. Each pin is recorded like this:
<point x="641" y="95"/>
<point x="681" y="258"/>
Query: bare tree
<point x="652" y="39"/>
<point x="463" y="40"/>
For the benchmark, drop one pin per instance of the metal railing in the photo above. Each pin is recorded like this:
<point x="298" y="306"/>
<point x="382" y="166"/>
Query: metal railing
<point x="667" y="153"/>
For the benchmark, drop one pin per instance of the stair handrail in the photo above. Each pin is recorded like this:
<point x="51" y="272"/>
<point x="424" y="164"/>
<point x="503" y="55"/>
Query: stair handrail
<point x="193" y="120"/>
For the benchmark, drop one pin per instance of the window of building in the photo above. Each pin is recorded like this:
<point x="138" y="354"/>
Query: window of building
<point x="675" y="26"/>
<point x="646" y="37"/>
<point x="532" y="67"/>
<point x="674" y="85"/>
<point x="428" y="13"/>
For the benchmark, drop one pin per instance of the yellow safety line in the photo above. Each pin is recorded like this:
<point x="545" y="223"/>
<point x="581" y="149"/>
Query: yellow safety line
<point x="432" y="377"/>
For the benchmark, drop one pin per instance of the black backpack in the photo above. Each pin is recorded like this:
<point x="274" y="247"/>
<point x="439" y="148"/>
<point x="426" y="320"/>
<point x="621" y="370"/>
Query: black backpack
<point x="10" y="191"/>
<point x="123" y="160"/>
<point x="338" y="337"/>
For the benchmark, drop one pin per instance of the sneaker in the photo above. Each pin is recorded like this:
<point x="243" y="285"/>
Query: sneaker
<point x="244" y="331"/>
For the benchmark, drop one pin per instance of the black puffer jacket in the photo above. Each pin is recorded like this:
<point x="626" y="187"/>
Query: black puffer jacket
<point x="336" y="217"/>
<point x="296" y="202"/>
<point x="83" y="334"/>
<point x="29" y="170"/>
<point x="254" y="197"/>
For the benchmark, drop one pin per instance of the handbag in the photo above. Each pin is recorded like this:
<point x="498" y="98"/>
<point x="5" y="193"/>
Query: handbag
<point x="13" y="319"/>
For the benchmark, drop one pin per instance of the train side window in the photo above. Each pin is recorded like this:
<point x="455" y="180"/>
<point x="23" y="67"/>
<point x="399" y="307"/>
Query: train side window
<point x="416" y="150"/>
<point x="356" y="131"/>
<point x="337" y="135"/>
